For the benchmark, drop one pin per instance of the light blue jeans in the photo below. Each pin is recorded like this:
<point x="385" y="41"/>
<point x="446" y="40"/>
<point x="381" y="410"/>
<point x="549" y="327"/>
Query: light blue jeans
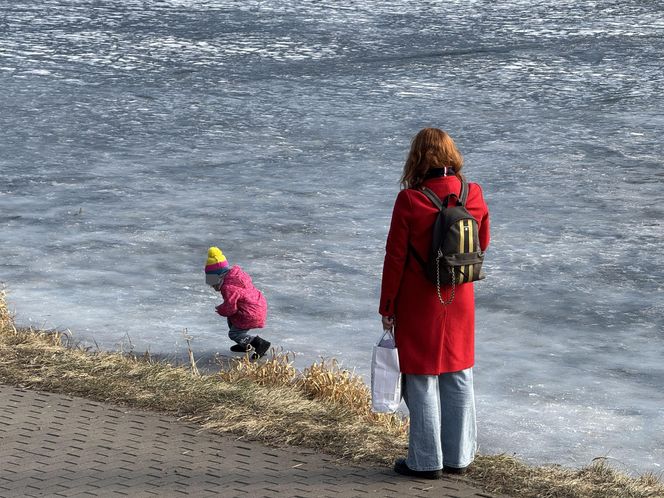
<point x="443" y="429"/>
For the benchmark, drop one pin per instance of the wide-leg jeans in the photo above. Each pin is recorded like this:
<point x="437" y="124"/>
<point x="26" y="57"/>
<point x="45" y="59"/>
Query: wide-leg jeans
<point x="443" y="428"/>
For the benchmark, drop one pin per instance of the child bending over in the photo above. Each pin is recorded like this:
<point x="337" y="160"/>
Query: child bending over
<point x="244" y="306"/>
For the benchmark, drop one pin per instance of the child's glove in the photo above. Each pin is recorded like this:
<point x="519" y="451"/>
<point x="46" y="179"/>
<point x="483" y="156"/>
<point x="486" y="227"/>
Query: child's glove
<point x="218" y="309"/>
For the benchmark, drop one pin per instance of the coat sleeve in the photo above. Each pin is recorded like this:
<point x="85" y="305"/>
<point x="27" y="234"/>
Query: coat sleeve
<point x="485" y="237"/>
<point x="484" y="234"/>
<point x="231" y="296"/>
<point x="396" y="252"/>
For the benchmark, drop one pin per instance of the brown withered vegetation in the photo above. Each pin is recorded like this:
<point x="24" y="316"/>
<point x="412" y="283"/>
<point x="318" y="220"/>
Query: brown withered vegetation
<point x="324" y="407"/>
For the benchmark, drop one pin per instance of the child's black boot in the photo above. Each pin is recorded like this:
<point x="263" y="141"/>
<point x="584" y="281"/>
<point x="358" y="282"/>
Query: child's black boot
<point x="240" y="348"/>
<point x="260" y="347"/>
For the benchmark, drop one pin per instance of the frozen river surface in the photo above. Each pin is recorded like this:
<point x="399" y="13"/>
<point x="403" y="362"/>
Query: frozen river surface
<point x="135" y="134"/>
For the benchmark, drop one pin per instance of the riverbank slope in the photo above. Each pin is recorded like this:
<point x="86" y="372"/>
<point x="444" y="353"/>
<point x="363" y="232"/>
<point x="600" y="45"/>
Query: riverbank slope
<point x="323" y="408"/>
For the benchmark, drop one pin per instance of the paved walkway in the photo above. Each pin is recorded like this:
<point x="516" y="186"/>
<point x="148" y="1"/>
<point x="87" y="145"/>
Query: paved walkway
<point x="55" y="445"/>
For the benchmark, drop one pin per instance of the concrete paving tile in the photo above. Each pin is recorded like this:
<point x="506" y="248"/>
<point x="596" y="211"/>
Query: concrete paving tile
<point x="55" y="445"/>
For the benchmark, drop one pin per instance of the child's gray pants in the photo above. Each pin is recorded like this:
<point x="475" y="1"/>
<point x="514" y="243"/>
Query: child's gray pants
<point x="239" y="335"/>
<point x="443" y="428"/>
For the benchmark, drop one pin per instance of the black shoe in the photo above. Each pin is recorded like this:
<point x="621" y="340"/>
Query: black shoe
<point x="400" y="467"/>
<point x="260" y="347"/>
<point x="240" y="348"/>
<point x="455" y="470"/>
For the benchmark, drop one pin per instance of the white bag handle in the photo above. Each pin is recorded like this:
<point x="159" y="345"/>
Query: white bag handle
<point x="385" y="332"/>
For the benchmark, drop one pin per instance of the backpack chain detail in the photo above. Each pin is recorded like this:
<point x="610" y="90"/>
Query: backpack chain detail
<point x="454" y="244"/>
<point x="440" y="297"/>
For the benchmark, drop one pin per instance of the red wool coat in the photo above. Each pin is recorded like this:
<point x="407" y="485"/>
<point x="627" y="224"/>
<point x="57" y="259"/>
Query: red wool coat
<point x="432" y="338"/>
<point x="244" y="305"/>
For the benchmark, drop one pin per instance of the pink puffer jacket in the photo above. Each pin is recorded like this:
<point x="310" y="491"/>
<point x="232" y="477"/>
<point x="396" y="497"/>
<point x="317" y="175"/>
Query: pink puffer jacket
<point x="244" y="305"/>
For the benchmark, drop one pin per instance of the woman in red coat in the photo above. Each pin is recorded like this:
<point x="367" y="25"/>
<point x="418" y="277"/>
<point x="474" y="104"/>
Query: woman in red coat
<point x="435" y="341"/>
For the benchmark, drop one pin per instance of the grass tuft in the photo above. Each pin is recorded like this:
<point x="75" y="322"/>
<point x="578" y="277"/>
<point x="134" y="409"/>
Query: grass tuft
<point x="598" y="480"/>
<point x="323" y="407"/>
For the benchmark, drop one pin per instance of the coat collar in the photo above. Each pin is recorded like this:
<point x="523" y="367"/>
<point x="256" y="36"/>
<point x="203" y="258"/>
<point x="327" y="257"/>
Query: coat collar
<point x="439" y="172"/>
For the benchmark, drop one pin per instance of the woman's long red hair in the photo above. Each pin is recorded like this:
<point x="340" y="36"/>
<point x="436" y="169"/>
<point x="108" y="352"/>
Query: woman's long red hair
<point x="430" y="148"/>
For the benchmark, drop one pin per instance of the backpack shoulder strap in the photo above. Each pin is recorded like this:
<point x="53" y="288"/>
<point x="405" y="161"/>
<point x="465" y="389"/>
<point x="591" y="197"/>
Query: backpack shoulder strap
<point x="417" y="257"/>
<point x="463" y="196"/>
<point x="432" y="197"/>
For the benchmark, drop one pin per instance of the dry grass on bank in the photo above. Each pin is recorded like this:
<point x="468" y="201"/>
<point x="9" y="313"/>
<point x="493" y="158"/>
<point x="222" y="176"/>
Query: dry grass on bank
<point x="598" y="480"/>
<point x="324" y="408"/>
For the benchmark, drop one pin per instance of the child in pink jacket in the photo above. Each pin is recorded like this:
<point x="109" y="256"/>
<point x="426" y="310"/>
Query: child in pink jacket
<point x="244" y="306"/>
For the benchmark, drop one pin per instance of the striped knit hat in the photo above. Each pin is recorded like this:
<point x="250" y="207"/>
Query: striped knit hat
<point x="215" y="266"/>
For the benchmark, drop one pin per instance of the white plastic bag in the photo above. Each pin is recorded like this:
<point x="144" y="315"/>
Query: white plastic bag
<point x="385" y="375"/>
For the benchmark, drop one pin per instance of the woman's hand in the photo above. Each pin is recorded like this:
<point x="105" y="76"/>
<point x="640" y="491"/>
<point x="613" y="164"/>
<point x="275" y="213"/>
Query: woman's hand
<point x="388" y="322"/>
